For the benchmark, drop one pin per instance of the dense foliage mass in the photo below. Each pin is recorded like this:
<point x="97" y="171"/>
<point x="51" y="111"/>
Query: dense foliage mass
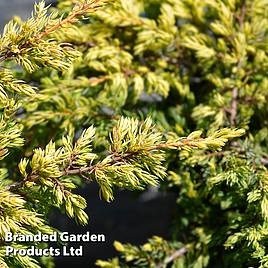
<point x="119" y="92"/>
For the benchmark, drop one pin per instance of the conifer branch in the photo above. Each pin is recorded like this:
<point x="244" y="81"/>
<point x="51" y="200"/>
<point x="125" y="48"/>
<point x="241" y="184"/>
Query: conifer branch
<point x="116" y="159"/>
<point x="28" y="45"/>
<point x="72" y="17"/>
<point x="235" y="92"/>
<point x="132" y="145"/>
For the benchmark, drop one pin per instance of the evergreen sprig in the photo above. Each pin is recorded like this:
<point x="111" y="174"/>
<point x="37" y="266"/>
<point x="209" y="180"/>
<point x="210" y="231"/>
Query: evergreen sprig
<point x="157" y="252"/>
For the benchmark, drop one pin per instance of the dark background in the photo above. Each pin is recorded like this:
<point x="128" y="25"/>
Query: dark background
<point x="130" y="218"/>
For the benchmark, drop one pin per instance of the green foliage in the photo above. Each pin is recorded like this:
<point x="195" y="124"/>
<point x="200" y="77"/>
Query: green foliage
<point x="119" y="92"/>
<point x="151" y="254"/>
<point x="21" y="41"/>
